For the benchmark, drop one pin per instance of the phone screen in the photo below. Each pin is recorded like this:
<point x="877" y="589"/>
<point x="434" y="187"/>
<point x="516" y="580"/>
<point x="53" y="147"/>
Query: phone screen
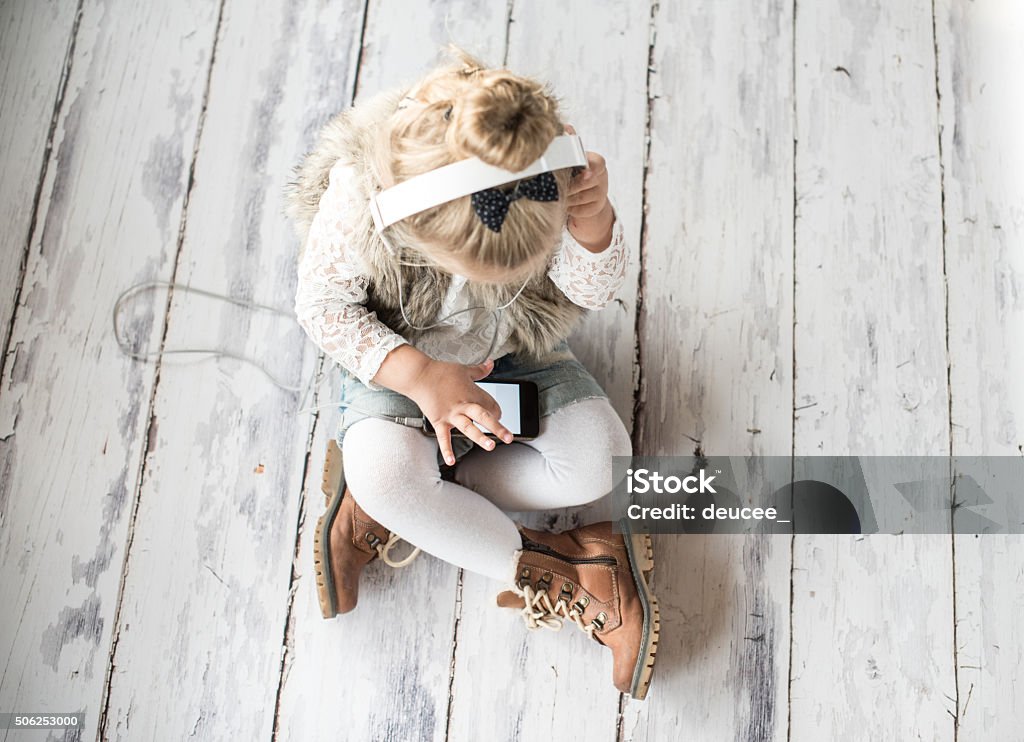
<point x="507" y="397"/>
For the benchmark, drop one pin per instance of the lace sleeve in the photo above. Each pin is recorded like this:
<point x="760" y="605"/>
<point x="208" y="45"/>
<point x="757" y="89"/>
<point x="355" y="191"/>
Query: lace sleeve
<point x="587" y="278"/>
<point x="329" y="300"/>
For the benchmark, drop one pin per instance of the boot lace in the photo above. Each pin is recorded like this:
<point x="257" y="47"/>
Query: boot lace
<point x="540" y="612"/>
<point x="384" y="550"/>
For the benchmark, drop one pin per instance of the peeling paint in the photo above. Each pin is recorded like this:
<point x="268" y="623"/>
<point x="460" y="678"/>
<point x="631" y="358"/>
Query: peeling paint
<point x="83" y="622"/>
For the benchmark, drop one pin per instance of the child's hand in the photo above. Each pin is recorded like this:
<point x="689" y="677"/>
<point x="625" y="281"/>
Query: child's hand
<point x="449" y="399"/>
<point x="590" y="212"/>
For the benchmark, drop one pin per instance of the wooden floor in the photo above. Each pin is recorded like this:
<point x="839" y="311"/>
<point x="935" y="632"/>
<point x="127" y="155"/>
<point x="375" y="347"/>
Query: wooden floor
<point x="826" y="206"/>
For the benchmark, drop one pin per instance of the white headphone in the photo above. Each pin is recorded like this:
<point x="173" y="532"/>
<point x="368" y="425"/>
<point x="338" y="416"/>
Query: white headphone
<point x="447" y="183"/>
<point x="462" y="178"/>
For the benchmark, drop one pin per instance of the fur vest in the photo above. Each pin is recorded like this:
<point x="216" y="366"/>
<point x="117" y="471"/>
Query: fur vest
<point x="539" y="319"/>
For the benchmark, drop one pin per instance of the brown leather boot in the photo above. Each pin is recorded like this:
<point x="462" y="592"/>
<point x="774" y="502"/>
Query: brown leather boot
<point x="597" y="579"/>
<point x="345" y="541"/>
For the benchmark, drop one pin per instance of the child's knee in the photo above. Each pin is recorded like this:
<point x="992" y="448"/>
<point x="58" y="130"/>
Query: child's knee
<point x="590" y="480"/>
<point x="594" y="423"/>
<point x="619" y="440"/>
<point x="384" y="462"/>
<point x="591" y="476"/>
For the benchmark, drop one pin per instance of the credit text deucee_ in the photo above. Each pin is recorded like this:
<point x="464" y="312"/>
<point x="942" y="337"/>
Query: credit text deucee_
<point x="644" y="481"/>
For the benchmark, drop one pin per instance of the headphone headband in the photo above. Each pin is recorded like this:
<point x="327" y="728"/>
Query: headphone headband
<point x="462" y="178"/>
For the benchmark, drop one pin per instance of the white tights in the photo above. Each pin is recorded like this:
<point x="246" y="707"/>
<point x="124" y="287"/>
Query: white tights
<point x="393" y="474"/>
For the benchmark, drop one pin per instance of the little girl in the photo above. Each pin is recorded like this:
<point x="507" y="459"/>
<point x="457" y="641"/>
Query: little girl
<point x="459" y="292"/>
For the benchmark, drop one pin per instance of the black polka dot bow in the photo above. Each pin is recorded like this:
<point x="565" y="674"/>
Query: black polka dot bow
<point x="491" y="205"/>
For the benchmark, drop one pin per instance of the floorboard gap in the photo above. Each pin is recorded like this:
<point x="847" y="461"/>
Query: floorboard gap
<point x="792" y="372"/>
<point x="639" y="393"/>
<point x="949" y="369"/>
<point x="288" y="633"/>
<point x="37" y="197"/>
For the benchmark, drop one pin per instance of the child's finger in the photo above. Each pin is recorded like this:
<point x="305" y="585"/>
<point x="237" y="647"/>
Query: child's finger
<point x="490" y="421"/>
<point x="586" y="211"/>
<point x="444" y="440"/>
<point x="583" y="183"/>
<point x="486" y="402"/>
<point x="471" y="431"/>
<point x="585" y="197"/>
<point x="595" y="169"/>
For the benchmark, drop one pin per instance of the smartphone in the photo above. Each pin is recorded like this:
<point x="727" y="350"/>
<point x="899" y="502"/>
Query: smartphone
<point x="520" y="408"/>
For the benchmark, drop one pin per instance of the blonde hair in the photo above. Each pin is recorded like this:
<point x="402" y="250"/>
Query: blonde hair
<point x="461" y="110"/>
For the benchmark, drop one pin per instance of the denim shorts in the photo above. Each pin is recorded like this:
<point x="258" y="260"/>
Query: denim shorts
<point x="560" y="378"/>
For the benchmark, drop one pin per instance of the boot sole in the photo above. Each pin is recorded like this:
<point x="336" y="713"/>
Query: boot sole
<point x="334" y="492"/>
<point x="641" y="564"/>
<point x="333" y="473"/>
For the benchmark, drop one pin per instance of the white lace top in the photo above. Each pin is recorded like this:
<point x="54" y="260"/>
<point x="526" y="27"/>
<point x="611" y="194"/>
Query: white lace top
<point x="332" y="291"/>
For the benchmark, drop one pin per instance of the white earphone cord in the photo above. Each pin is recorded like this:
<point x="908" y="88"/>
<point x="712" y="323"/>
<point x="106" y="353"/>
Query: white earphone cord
<point x="496" y="312"/>
<point x="311" y="384"/>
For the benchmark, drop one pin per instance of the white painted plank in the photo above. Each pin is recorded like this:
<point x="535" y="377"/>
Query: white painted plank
<point x="981" y="107"/>
<point x="716" y="354"/>
<point x="983" y="157"/>
<point x="990" y="645"/>
<point x="387" y="664"/>
<point x="535" y="683"/>
<point x="34" y="40"/>
<point x="74" y="409"/>
<point x="602" y="91"/>
<point x="202" y="655"/>
<point x="872" y="616"/>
